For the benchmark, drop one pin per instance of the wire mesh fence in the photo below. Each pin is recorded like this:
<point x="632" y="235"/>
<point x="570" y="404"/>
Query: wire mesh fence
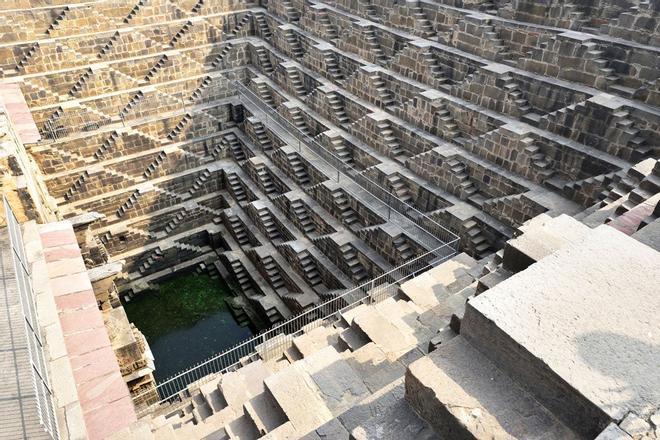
<point x="40" y="382"/>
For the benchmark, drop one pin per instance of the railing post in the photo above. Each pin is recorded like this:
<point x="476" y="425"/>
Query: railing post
<point x="389" y="205"/>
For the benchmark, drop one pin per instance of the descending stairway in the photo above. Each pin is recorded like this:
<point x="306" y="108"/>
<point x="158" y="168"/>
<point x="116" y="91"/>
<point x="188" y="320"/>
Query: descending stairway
<point x="371" y="40"/>
<point x="403" y="248"/>
<point x="399" y="188"/>
<point x="394" y="148"/>
<point x="273" y="273"/>
<point x="299" y="121"/>
<point x="385" y="97"/>
<point x="262" y="137"/>
<point x="541" y="162"/>
<point x="265" y="94"/>
<point x="236" y="188"/>
<point x="309" y="269"/>
<point x="465" y="185"/>
<point x="264" y="59"/>
<point x="302" y="215"/>
<point x="440" y="80"/>
<point x="338" y="108"/>
<point x="296" y="82"/>
<point x="422" y="23"/>
<point x="239" y="230"/>
<point x="298" y="169"/>
<point x="332" y="66"/>
<point x="293" y="43"/>
<point x="269" y="225"/>
<point x="478" y="241"/>
<point x="265" y="180"/>
<point x="342" y="151"/>
<point x="447" y="127"/>
<point x="355" y="268"/>
<point x="218" y="60"/>
<point x="262" y="24"/>
<point x="512" y="89"/>
<point x="347" y="215"/>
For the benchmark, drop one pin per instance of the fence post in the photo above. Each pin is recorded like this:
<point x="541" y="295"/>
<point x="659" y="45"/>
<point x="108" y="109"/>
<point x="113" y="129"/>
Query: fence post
<point x="389" y="205"/>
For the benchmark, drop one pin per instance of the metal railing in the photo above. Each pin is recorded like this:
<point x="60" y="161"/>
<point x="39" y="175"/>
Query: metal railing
<point x="71" y="123"/>
<point x="42" y="390"/>
<point x="272" y="342"/>
<point x="416" y="217"/>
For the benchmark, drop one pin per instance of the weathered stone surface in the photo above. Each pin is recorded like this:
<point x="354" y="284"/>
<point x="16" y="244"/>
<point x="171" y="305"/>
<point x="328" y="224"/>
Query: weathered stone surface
<point x="613" y="432"/>
<point x="299" y="397"/>
<point x="463" y="395"/>
<point x="525" y="318"/>
<point x="339" y="385"/>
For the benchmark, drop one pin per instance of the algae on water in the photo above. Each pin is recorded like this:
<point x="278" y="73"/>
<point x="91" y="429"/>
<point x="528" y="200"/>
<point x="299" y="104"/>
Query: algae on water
<point x="178" y="303"/>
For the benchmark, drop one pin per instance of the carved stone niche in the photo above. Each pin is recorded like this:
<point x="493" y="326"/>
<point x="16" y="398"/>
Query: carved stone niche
<point x="103" y="284"/>
<point x="92" y="249"/>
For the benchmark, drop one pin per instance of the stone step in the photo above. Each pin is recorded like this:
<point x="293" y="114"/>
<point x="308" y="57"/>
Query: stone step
<point x="460" y="392"/>
<point x="383" y="332"/>
<point x="264" y="413"/>
<point x="299" y="398"/>
<point x="386" y="415"/>
<point x="340" y="386"/>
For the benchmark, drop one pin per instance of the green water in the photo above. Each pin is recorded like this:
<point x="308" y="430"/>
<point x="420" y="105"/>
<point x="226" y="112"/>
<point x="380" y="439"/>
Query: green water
<point x="185" y="321"/>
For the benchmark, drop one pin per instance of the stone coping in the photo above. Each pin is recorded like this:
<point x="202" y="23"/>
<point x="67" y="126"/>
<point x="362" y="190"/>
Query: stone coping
<point x="103" y="395"/>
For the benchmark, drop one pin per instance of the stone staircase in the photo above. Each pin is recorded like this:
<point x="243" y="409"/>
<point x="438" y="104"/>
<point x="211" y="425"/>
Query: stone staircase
<point x="269" y="225"/>
<point x="501" y="375"/>
<point x="478" y="241"/>
<point x="384" y="96"/>
<point x="515" y="94"/>
<point x="262" y="24"/>
<point x="302" y="216"/>
<point x="399" y="188"/>
<point x="273" y="273"/>
<point x="355" y="269"/>
<point x="373" y="45"/>
<point x="298" y="169"/>
<point x="262" y="137"/>
<point x="294" y="44"/>
<point x="236" y="188"/>
<point x="422" y="23"/>
<point x="332" y="67"/>
<point x="299" y="121"/>
<point x="337" y="107"/>
<point x="264" y="60"/>
<point x="309" y="269"/>
<point x="222" y="56"/>
<point x="341" y="203"/>
<point x="342" y="379"/>
<point x="329" y="28"/>
<point x="342" y="151"/>
<point x="296" y="82"/>
<point x="392" y="145"/>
